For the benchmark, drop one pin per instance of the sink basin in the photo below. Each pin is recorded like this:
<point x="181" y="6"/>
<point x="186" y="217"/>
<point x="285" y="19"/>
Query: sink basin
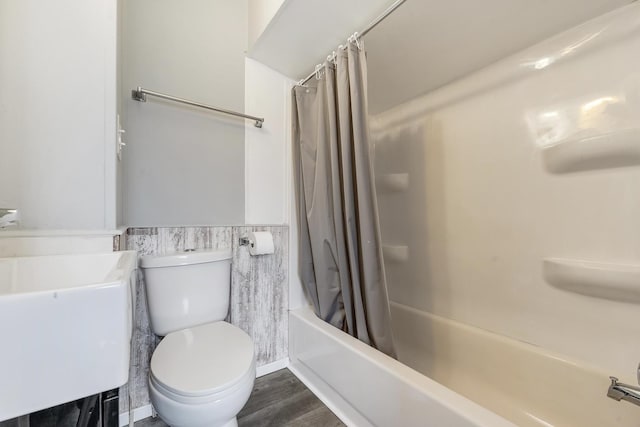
<point x="65" y="328"/>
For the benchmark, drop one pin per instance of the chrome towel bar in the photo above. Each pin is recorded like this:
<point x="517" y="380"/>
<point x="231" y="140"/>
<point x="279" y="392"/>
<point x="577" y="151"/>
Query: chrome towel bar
<point x="140" y="94"/>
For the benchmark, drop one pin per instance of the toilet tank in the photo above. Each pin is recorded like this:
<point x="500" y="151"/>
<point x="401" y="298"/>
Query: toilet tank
<point x="186" y="289"/>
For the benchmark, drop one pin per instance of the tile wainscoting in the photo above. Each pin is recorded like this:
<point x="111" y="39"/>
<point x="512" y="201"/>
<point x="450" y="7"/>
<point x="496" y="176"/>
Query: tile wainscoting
<point x="259" y="293"/>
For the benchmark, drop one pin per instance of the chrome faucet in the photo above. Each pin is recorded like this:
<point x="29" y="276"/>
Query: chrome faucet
<point x="621" y="391"/>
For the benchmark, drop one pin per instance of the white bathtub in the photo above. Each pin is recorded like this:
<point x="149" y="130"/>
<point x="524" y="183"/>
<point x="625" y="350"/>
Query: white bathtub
<point x="526" y="384"/>
<point x="364" y="387"/>
<point x="496" y="381"/>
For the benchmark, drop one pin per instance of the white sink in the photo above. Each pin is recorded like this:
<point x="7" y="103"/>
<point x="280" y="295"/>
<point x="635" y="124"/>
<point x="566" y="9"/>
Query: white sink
<point x="65" y="328"/>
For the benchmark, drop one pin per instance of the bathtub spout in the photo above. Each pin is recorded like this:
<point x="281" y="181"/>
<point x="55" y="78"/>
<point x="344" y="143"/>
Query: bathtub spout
<point x="621" y="391"/>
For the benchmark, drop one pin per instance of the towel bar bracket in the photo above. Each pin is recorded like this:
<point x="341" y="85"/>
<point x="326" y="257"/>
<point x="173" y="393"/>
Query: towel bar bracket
<point x="138" y="96"/>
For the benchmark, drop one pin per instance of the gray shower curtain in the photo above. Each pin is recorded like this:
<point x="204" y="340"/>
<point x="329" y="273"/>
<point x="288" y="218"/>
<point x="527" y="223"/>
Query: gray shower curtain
<point x="339" y="235"/>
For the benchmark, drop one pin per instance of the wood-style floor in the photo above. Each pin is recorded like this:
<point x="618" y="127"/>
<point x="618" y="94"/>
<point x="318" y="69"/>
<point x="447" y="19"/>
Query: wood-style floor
<point x="277" y="399"/>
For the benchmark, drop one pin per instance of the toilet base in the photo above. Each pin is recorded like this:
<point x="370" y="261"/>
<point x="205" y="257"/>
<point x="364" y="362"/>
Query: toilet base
<point x="232" y="423"/>
<point x="217" y="410"/>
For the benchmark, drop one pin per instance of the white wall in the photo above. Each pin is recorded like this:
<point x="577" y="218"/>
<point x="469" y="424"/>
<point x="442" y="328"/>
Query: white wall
<point x="184" y="165"/>
<point x="57" y="107"/>
<point x="501" y="173"/>
<point x="269" y="197"/>
<point x="55" y="242"/>
<point x="260" y="14"/>
<point x="450" y="39"/>
<point x="267" y="94"/>
<point x="119" y="173"/>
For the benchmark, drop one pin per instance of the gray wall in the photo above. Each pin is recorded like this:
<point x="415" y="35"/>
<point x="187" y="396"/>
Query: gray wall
<point x="182" y="165"/>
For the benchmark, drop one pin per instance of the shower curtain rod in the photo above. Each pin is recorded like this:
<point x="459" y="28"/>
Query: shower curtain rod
<point x="365" y="30"/>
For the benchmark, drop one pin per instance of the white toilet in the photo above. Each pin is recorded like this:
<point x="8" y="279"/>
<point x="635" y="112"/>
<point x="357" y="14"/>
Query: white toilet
<point x="202" y="372"/>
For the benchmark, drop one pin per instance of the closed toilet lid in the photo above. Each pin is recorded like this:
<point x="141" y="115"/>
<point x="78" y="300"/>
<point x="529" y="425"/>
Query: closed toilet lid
<point x="204" y="359"/>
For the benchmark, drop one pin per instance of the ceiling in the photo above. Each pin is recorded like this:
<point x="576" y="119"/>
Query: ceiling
<point x="424" y="45"/>
<point x="420" y="47"/>
<point x="303" y="32"/>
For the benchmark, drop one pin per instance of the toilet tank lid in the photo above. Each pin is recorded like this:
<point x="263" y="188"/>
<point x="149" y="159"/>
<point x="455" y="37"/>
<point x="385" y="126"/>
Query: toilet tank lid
<point x="185" y="258"/>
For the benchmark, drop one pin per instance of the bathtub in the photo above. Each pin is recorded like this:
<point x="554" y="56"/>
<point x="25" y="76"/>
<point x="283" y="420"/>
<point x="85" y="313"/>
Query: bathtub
<point x="364" y="387"/>
<point x="461" y="376"/>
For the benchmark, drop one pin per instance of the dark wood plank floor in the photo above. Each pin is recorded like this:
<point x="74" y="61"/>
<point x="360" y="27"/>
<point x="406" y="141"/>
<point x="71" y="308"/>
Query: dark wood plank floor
<point x="277" y="399"/>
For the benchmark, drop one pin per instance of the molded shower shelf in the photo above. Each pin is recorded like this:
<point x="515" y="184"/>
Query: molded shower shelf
<point x="393" y="182"/>
<point x="618" y="282"/>
<point x="398" y="254"/>
<point x="601" y="151"/>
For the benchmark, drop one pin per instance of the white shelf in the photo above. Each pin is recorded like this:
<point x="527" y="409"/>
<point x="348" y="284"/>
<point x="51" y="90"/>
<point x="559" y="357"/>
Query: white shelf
<point x="393" y="182"/>
<point x="617" y="282"/>
<point x="395" y="253"/>
<point x="620" y="148"/>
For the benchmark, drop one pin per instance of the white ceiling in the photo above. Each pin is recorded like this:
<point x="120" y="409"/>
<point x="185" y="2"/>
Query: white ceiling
<point x="304" y="32"/>
<point x="426" y="44"/>
<point x="423" y="45"/>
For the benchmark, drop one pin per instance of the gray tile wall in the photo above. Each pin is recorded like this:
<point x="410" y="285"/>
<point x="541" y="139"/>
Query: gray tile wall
<point x="259" y="293"/>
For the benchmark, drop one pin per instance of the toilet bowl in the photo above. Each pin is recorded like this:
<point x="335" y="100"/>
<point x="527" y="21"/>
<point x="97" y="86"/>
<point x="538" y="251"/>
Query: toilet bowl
<point x="202" y="372"/>
<point x="202" y="376"/>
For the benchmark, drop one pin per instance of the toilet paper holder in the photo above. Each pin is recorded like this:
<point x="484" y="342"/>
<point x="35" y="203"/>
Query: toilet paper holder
<point x="259" y="243"/>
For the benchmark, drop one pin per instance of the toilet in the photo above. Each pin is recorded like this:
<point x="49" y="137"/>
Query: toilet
<point x="202" y="372"/>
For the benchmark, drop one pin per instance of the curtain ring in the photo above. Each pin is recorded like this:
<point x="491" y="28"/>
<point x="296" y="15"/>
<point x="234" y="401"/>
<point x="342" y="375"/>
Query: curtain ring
<point x="353" y="38"/>
<point x="334" y="58"/>
<point x="356" y="40"/>
<point x="318" y="71"/>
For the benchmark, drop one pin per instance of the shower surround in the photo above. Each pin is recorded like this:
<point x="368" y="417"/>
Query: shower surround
<point x="487" y="185"/>
<point x="509" y="205"/>
<point x="259" y="293"/>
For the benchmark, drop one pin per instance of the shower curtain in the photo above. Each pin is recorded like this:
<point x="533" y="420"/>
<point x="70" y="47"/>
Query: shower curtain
<point x="339" y="234"/>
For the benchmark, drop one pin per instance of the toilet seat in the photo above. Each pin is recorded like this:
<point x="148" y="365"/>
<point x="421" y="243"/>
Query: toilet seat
<point x="200" y="362"/>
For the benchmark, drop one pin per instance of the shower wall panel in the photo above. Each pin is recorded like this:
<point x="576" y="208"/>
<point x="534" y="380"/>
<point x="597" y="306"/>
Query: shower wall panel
<point x="534" y="158"/>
